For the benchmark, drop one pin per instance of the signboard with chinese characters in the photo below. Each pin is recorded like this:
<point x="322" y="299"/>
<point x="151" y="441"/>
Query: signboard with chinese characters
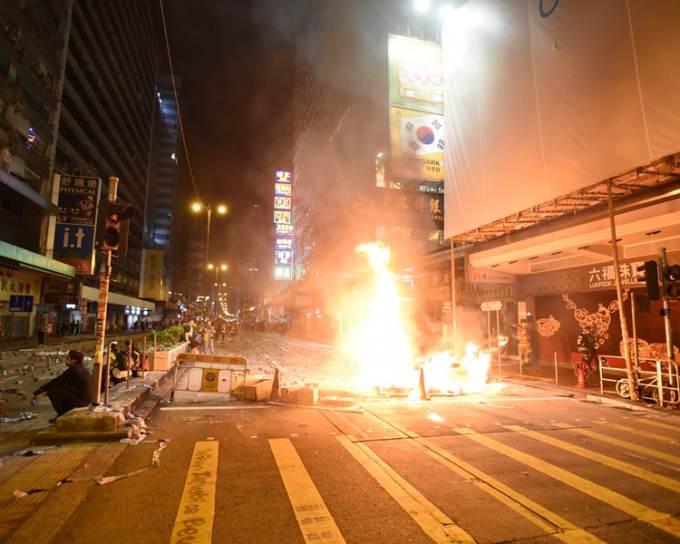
<point x="15" y="282"/>
<point x="59" y="292"/>
<point x="399" y="204"/>
<point x="74" y="232"/>
<point x="151" y="286"/>
<point x="283" y="204"/>
<point x="584" y="279"/>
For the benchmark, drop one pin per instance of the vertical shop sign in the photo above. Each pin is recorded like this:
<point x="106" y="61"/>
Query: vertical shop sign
<point x="283" y="205"/>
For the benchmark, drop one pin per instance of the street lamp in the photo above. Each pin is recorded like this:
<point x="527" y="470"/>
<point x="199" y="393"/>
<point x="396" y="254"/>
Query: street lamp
<point x="217" y="269"/>
<point x="198" y="207"/>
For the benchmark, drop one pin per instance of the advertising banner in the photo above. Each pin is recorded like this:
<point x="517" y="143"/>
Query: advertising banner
<point x="546" y="98"/>
<point x="416" y="99"/>
<point x="415" y="74"/>
<point x="74" y="233"/>
<point x="151" y="286"/>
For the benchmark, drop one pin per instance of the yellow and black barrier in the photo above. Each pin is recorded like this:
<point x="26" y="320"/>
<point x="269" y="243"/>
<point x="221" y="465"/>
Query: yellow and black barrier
<point x="210" y="373"/>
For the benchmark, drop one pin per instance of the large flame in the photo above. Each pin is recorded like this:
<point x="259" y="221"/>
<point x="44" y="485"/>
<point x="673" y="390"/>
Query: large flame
<point x="382" y="350"/>
<point x="381" y="347"/>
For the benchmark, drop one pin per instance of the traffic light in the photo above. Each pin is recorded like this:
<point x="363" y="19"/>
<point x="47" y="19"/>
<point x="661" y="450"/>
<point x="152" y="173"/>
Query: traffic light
<point x="651" y="279"/>
<point x="111" y="218"/>
<point x="671" y="281"/>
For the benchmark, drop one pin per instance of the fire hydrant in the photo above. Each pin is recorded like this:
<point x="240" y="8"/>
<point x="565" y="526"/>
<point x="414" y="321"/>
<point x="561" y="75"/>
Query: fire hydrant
<point x="581" y="374"/>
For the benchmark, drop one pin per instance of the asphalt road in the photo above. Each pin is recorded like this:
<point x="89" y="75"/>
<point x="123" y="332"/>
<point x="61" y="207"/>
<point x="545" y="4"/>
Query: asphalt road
<point x="522" y="466"/>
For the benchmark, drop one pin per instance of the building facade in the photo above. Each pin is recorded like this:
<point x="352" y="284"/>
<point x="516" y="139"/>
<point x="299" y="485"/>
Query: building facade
<point x="77" y="98"/>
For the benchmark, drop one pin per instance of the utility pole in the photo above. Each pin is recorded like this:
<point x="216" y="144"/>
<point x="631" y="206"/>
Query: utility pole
<point x="666" y="312"/>
<point x="100" y="331"/>
<point x="632" y="378"/>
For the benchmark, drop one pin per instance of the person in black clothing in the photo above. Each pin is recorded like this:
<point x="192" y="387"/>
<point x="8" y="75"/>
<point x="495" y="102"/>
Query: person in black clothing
<point x="587" y="346"/>
<point x="71" y="389"/>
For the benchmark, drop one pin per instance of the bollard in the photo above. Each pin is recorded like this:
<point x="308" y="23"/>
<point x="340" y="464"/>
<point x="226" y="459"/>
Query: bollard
<point x="276" y="387"/>
<point x="421" y="385"/>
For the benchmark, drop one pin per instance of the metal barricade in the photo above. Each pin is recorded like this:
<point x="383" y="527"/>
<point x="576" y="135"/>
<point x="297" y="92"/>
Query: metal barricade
<point x="657" y="379"/>
<point x="210" y="373"/>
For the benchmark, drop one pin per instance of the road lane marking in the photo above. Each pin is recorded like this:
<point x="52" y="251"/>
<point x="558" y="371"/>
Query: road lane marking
<point x="524" y="506"/>
<point x="668" y="426"/>
<point x="621" y="443"/>
<point x="656" y="479"/>
<point x="660" y="520"/>
<point x="434" y="523"/>
<point x="313" y="517"/>
<point x="209" y="407"/>
<point x="631" y="430"/>
<point x="196" y="513"/>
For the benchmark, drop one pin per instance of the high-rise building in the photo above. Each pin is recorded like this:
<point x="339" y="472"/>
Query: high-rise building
<point x="161" y="191"/>
<point x="77" y="92"/>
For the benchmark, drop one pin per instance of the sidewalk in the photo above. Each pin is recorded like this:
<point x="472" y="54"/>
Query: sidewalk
<point x="23" y="369"/>
<point x="561" y="377"/>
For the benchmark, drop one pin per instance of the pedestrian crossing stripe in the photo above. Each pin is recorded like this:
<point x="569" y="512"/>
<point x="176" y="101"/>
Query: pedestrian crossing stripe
<point x="315" y="521"/>
<point x="196" y="513"/>
<point x="661" y="520"/>
<point x="433" y="522"/>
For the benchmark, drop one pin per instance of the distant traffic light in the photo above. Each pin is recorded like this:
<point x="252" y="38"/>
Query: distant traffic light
<point x="671" y="281"/>
<point x="112" y="216"/>
<point x="651" y="279"/>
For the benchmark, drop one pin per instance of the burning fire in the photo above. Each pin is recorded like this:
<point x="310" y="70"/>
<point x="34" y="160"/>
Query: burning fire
<point x="383" y="351"/>
<point x="381" y="347"/>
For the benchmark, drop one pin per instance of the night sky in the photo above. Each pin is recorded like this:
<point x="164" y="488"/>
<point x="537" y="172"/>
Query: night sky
<point x="236" y="63"/>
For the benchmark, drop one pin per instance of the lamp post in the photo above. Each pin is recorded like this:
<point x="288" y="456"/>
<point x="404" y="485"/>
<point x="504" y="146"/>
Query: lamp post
<point x="217" y="269"/>
<point x="198" y="207"/>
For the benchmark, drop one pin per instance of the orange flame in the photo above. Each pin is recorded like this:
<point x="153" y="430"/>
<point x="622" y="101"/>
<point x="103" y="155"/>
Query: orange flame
<point x="383" y="352"/>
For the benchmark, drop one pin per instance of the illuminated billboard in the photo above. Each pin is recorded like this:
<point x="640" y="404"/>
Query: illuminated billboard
<point x="416" y="109"/>
<point x="283" y="205"/>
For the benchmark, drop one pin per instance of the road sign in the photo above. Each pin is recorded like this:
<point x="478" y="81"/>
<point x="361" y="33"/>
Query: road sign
<point x="21" y="303"/>
<point x="492" y="305"/>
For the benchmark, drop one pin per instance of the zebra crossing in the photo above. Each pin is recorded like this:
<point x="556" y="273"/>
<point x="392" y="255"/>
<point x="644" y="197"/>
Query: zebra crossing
<point x="621" y="484"/>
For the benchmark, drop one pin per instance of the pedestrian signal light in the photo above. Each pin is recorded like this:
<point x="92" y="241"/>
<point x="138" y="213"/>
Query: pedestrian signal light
<point x="650" y="278"/>
<point x="671" y="281"/>
<point x="112" y="218"/>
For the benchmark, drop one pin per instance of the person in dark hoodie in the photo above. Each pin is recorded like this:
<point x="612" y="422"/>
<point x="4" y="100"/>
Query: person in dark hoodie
<point x="71" y="389"/>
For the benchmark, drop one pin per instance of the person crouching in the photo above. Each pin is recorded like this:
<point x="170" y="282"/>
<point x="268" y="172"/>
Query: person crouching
<point x="71" y="389"/>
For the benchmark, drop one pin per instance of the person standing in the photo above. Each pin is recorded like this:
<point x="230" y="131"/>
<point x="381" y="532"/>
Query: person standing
<point x="71" y="389"/>
<point x="524" y="343"/>
<point x="209" y="338"/>
<point x="191" y="336"/>
<point x="587" y="346"/>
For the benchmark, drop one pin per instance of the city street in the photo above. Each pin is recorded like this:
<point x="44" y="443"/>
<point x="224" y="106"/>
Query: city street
<point x="512" y="464"/>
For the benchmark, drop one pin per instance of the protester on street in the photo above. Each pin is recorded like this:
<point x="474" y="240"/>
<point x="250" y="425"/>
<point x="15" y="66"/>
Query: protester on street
<point x="135" y="359"/>
<point x="71" y="389"/>
<point x="587" y="346"/>
<point x="524" y="343"/>
<point x="119" y="365"/>
<point x="209" y="338"/>
<point x="191" y="335"/>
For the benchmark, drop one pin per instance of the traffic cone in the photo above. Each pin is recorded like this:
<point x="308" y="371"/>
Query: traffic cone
<point x="276" y="387"/>
<point x="581" y="376"/>
<point x="421" y="385"/>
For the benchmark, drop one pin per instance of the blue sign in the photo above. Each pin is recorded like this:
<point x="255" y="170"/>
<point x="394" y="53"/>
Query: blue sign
<point x="21" y="303"/>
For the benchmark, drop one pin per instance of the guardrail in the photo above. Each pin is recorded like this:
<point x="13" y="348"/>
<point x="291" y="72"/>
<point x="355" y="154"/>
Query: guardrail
<point x="657" y="380"/>
<point x="210" y="373"/>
